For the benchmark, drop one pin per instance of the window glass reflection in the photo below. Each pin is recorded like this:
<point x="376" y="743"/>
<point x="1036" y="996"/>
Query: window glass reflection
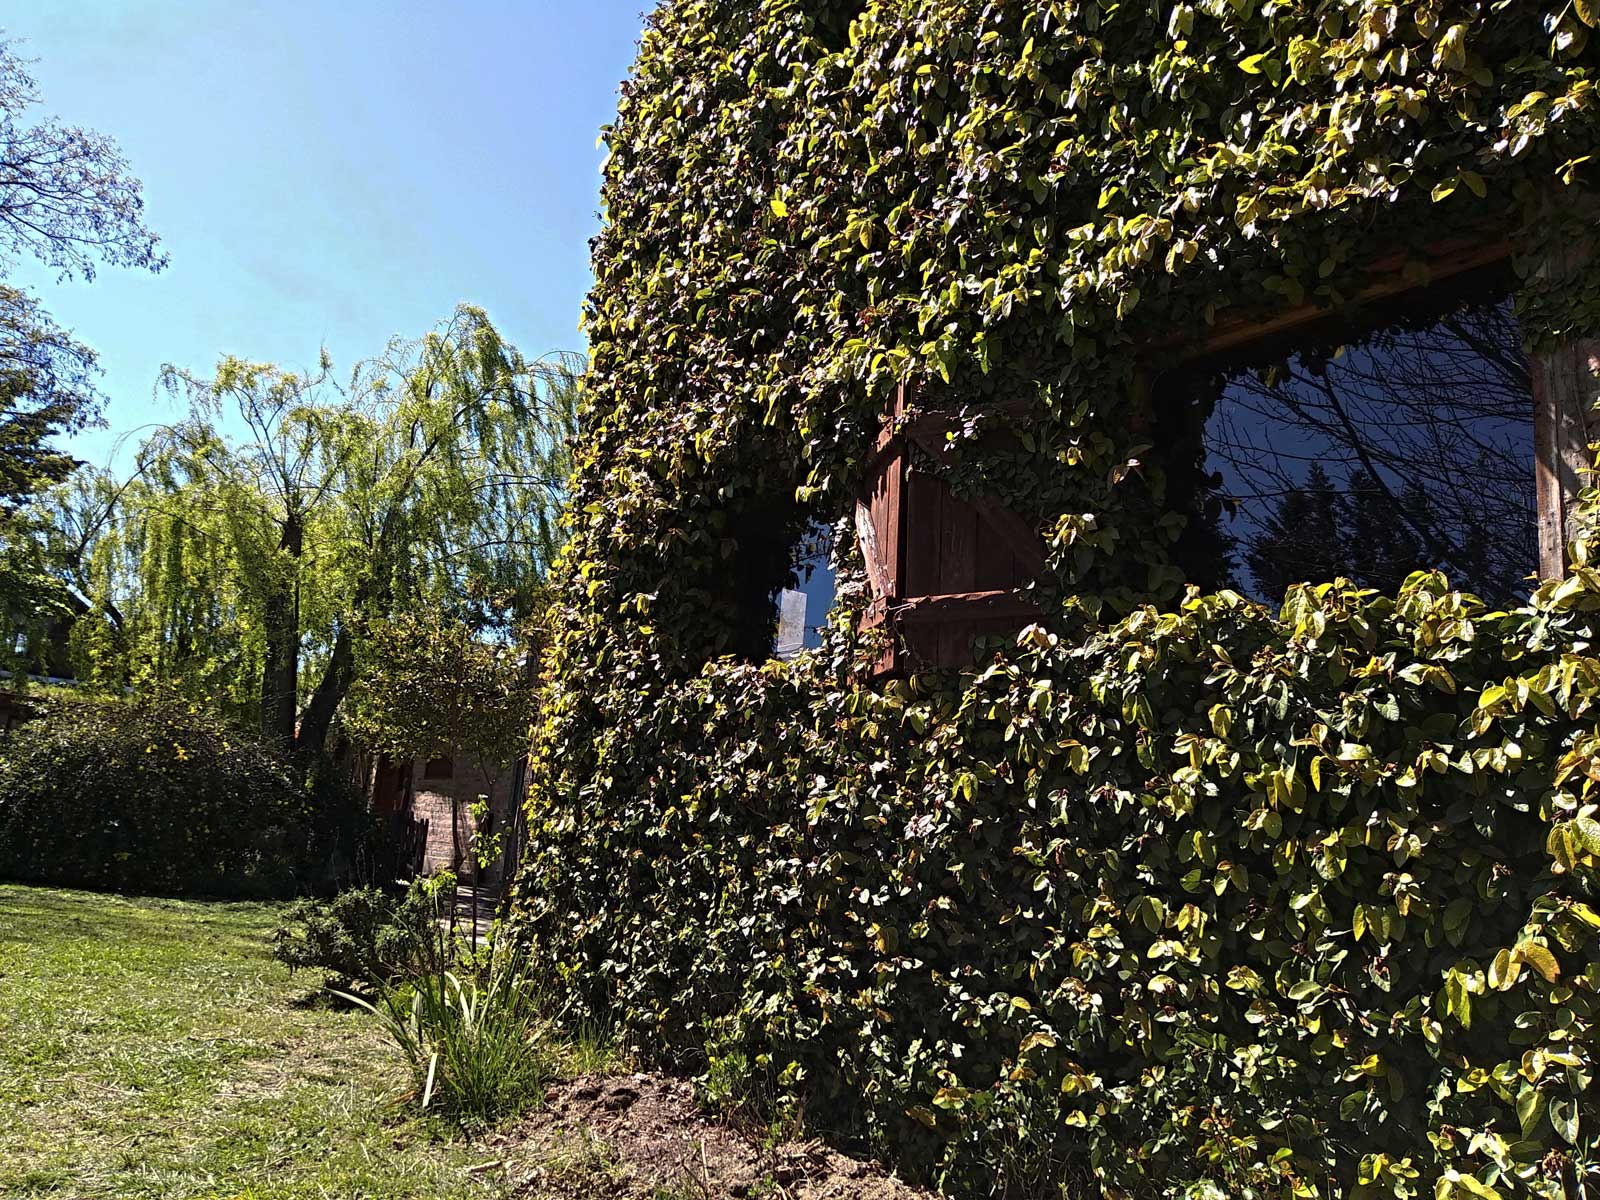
<point x="1410" y="448"/>
<point x="803" y="606"/>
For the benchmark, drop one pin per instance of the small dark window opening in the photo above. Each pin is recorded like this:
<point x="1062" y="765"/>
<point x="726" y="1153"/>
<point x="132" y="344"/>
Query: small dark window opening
<point x="1368" y="453"/>
<point x="757" y="563"/>
<point x="805" y="601"/>
<point x="439" y="768"/>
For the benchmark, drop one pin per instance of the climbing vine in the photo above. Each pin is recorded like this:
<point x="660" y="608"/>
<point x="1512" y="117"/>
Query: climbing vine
<point x="1175" y="894"/>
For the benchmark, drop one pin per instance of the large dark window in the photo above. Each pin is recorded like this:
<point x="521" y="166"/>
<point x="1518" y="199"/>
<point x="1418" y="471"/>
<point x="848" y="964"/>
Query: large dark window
<point x="1409" y="445"/>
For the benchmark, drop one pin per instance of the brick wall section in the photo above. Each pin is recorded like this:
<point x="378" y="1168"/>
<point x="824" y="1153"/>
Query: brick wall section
<point x="432" y="798"/>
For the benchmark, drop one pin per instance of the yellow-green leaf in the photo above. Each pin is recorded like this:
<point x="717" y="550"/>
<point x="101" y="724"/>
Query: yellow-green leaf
<point x="1540" y="959"/>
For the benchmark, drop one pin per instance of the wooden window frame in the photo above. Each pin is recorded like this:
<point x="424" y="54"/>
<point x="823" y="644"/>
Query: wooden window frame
<point x="1566" y="394"/>
<point x="1565" y="379"/>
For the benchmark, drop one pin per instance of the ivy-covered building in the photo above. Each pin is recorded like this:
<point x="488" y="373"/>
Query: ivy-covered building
<point x="1190" y="788"/>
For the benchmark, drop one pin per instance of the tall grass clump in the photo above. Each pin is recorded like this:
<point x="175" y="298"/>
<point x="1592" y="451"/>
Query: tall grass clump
<point x="475" y="1038"/>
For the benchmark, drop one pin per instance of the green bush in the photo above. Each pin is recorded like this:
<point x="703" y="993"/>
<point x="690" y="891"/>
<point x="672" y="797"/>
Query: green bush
<point x="365" y="935"/>
<point x="161" y="797"/>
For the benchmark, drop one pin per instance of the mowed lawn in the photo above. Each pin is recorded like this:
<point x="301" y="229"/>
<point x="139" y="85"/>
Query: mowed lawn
<point x="153" y="1048"/>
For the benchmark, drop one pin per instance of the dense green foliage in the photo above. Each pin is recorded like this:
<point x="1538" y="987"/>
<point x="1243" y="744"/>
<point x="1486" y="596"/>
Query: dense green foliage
<point x="46" y="391"/>
<point x="1201" y="899"/>
<point x="431" y="685"/>
<point x="161" y="797"/>
<point x="1137" y="901"/>
<point x="244" y="570"/>
<point x="363" y="935"/>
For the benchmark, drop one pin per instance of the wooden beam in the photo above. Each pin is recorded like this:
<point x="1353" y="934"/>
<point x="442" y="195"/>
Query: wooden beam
<point x="1442" y="260"/>
<point x="872" y="551"/>
<point x="1566" y="383"/>
<point x="1022" y="539"/>
<point x="1566" y="389"/>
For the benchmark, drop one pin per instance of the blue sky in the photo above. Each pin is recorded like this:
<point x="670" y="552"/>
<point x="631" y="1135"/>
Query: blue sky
<point x="331" y="173"/>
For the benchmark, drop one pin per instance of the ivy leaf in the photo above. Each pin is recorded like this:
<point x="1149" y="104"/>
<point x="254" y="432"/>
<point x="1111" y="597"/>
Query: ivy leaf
<point x="1588" y="831"/>
<point x="1504" y="970"/>
<point x="1530" y="1107"/>
<point x="1564" y="1118"/>
<point x="1541" y="960"/>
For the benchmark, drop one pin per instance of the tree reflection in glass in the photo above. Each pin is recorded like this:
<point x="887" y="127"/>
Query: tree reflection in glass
<point x="1412" y="447"/>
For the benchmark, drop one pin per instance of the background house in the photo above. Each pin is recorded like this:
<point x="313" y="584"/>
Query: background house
<point x="436" y="797"/>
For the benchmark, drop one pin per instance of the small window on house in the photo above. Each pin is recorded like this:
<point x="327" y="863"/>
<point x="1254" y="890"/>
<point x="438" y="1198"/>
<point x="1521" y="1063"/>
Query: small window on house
<point x="804" y="604"/>
<point x="1409" y="446"/>
<point x="439" y="768"/>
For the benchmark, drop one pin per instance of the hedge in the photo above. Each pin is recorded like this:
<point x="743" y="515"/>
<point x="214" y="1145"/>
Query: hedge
<point x="1178" y="895"/>
<point x="162" y="797"/>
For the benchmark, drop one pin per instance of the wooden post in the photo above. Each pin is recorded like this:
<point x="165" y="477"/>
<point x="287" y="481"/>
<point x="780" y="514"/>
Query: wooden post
<point x="1566" y="389"/>
<point x="1564" y="395"/>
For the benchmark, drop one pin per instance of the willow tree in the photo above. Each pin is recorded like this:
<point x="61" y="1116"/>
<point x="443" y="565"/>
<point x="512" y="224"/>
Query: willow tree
<point x="246" y="565"/>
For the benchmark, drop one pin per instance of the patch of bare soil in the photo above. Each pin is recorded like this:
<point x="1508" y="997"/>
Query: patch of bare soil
<point x="641" y="1137"/>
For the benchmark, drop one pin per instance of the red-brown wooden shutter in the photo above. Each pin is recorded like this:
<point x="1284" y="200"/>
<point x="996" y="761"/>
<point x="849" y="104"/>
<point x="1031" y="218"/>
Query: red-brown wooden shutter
<point x="943" y="569"/>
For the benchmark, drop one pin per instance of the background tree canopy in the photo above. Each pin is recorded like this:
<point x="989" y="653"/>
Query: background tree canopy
<point x="245" y="569"/>
<point x="67" y="199"/>
<point x="66" y="195"/>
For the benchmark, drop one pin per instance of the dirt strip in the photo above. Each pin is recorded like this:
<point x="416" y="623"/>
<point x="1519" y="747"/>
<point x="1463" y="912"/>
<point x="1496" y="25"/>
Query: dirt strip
<point x="641" y="1137"/>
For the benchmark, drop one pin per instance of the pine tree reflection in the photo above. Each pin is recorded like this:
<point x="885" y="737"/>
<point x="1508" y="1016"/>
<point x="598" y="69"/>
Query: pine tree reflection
<point x="1412" y="447"/>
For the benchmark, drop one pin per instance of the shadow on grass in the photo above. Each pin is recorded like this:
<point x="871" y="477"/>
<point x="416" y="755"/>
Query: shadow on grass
<point x="329" y="998"/>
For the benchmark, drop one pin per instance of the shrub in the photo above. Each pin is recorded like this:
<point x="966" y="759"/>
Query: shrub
<point x="365" y="935"/>
<point x="473" y="1040"/>
<point x="161" y="797"/>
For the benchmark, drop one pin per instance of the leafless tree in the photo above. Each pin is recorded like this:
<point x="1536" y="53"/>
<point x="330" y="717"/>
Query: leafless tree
<point x="1425" y="434"/>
